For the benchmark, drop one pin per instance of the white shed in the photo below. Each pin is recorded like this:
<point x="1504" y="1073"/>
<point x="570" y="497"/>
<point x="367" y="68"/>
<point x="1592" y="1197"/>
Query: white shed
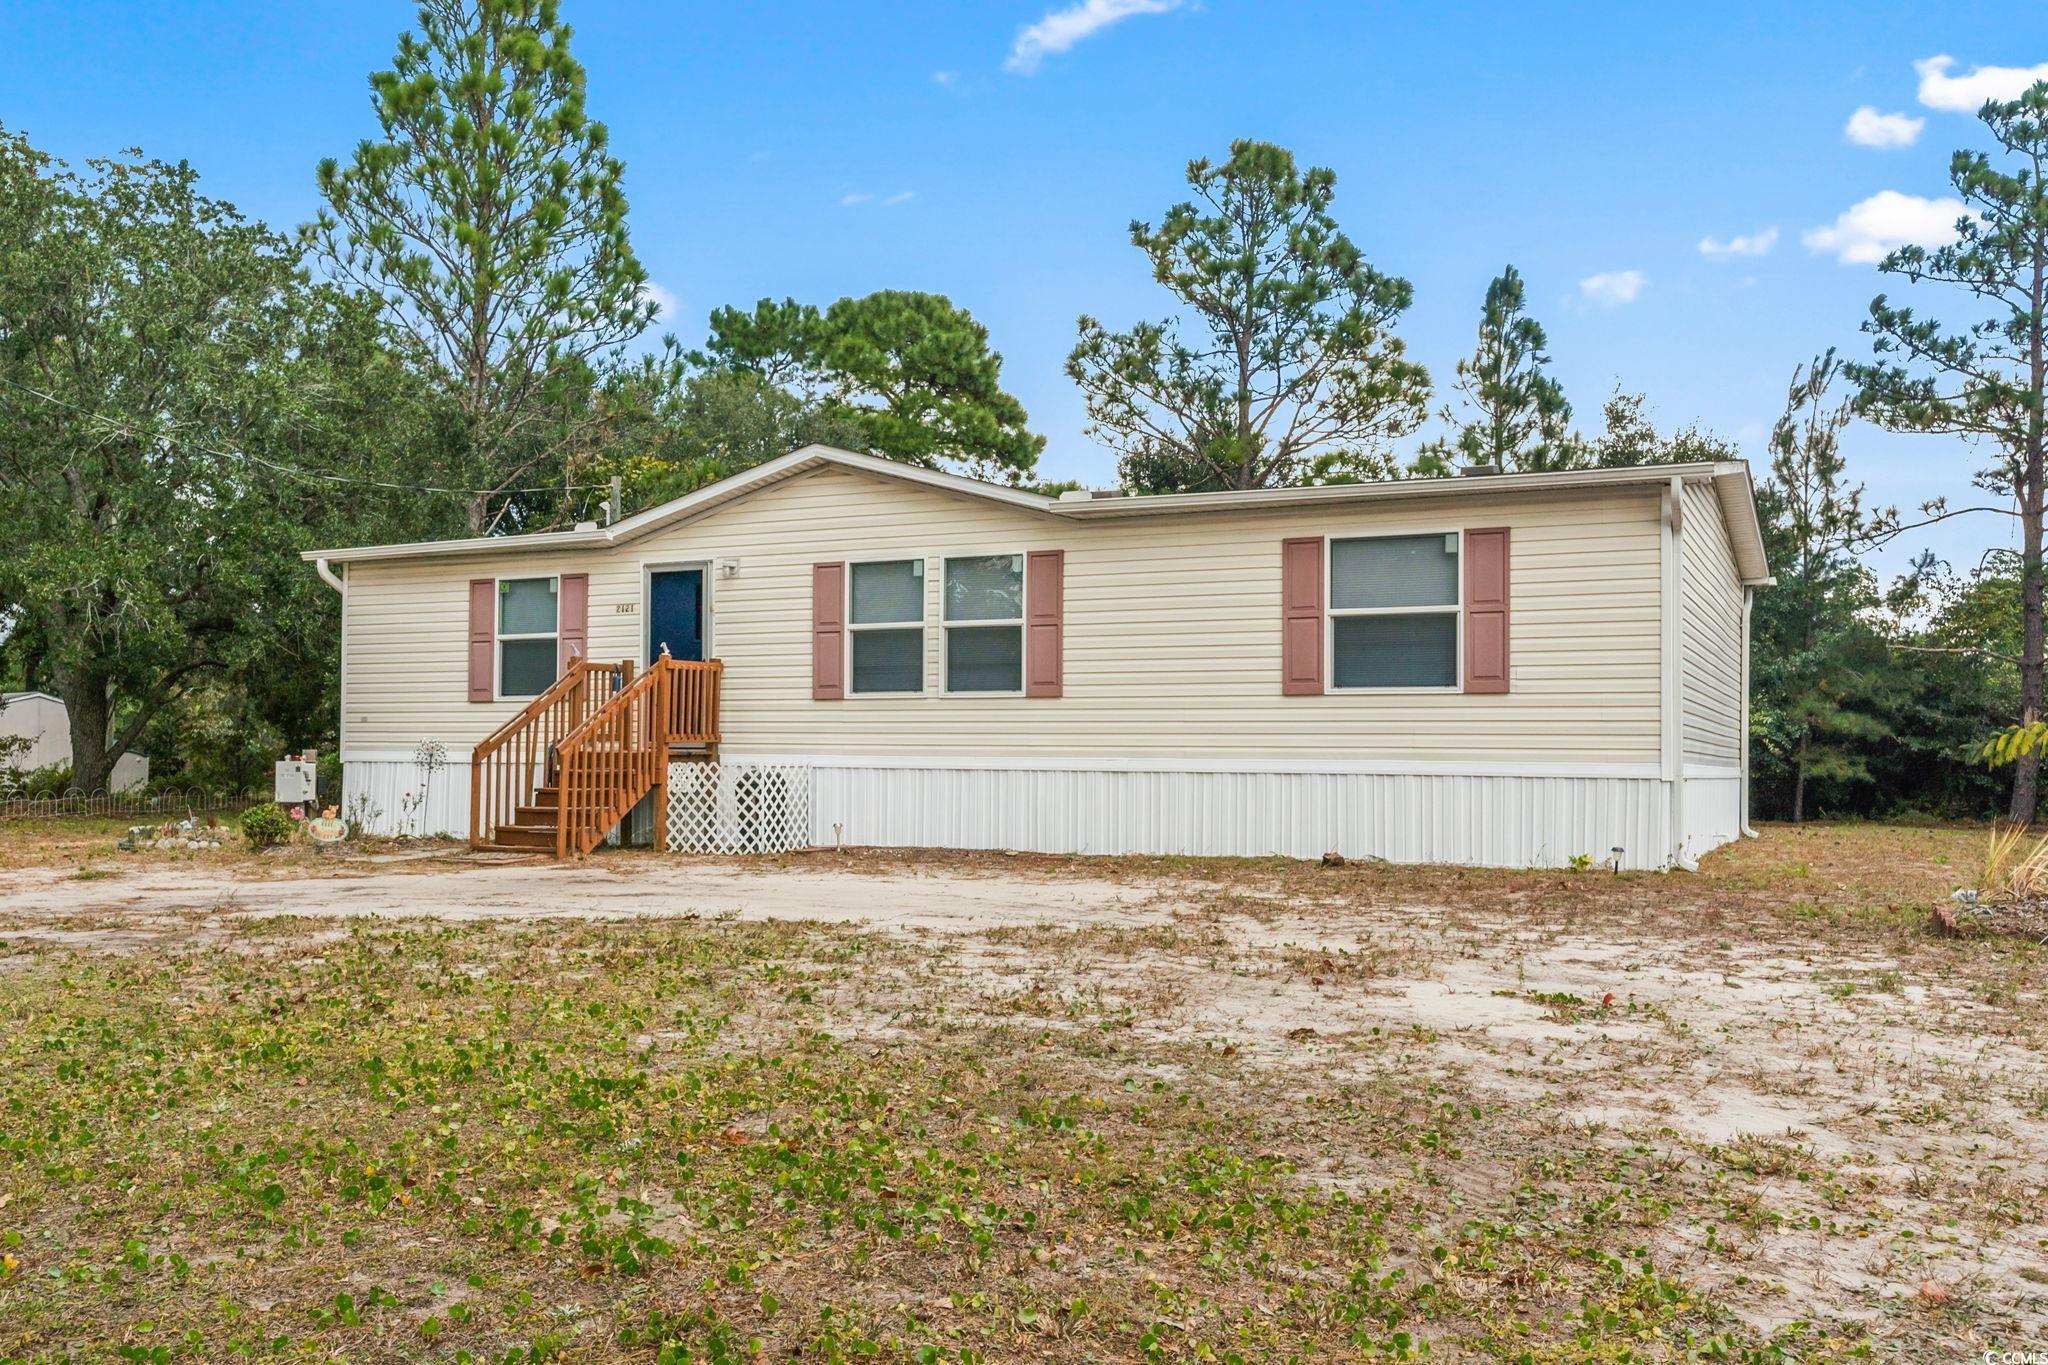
<point x="46" y="722"/>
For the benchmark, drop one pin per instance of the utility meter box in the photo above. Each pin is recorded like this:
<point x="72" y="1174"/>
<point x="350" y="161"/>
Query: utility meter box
<point x="295" y="781"/>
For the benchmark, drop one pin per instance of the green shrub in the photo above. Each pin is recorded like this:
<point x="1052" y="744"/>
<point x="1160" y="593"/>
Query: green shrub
<point x="265" y="825"/>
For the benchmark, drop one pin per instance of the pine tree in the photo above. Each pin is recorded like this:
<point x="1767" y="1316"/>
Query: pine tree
<point x="907" y="376"/>
<point x="1294" y="371"/>
<point x="1519" y="419"/>
<point x="1822" y="671"/>
<point x="491" y="218"/>
<point x="1987" y="380"/>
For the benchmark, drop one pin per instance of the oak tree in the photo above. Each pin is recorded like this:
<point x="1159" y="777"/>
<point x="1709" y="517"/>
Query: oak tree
<point x="176" y="403"/>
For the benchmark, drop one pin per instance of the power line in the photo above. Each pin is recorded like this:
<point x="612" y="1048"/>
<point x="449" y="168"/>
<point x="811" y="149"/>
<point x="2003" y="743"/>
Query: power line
<point x="314" y="475"/>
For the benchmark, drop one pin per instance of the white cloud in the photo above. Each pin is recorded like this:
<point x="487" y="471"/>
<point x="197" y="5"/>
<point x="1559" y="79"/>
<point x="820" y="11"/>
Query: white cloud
<point x="859" y="197"/>
<point x="1867" y="232"/>
<point x="949" y="79"/>
<point x="1060" y="29"/>
<point x="847" y="201"/>
<point x="668" y="303"/>
<point x="1868" y="128"/>
<point x="901" y="197"/>
<point x="1966" y="94"/>
<point x="1755" y="244"/>
<point x="1613" y="287"/>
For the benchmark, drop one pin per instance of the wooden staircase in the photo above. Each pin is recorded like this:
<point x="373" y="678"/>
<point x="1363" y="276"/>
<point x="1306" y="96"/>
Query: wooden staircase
<point x="533" y="827"/>
<point x="560" y="776"/>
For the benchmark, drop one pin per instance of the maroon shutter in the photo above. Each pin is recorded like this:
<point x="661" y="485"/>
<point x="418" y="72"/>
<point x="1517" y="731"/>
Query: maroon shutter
<point x="828" y="632"/>
<point x="1486" y="610"/>
<point x="1045" y="597"/>
<point x="573" y="606"/>
<point x="483" y="637"/>
<point x="1301" y="616"/>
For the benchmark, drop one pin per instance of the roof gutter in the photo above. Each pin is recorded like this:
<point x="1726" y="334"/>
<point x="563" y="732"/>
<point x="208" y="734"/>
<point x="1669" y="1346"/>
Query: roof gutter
<point x="328" y="575"/>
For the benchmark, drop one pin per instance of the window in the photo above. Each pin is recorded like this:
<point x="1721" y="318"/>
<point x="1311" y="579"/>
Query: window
<point x="528" y="636"/>
<point x="1394" y="612"/>
<point x="885" y="627"/>
<point x="985" y="624"/>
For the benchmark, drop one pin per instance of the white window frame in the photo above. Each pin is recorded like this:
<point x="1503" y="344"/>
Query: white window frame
<point x="1456" y="611"/>
<point x="922" y="625"/>
<point x="498" y="636"/>
<point x="1020" y="621"/>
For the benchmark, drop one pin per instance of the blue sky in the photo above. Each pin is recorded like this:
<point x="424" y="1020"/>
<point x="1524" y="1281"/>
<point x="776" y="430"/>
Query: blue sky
<point x="994" y="152"/>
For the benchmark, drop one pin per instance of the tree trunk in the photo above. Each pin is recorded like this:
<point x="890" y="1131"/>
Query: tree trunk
<point x="1799" y="785"/>
<point x="2026" y="777"/>
<point x="85" y="701"/>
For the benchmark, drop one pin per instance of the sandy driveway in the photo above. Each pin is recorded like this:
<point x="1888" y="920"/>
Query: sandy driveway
<point x="539" y="890"/>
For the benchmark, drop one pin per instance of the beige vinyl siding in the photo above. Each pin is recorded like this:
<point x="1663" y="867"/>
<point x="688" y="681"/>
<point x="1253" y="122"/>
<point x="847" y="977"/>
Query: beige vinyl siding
<point x="1710" y="636"/>
<point x="1172" y="632"/>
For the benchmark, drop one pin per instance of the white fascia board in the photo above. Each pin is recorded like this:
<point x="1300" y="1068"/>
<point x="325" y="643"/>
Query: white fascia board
<point x="1736" y="492"/>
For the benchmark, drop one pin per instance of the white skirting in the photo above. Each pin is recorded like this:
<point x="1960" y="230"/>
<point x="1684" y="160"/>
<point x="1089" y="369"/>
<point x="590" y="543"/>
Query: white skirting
<point x="375" y="793"/>
<point x="1713" y="808"/>
<point x="1493" y="821"/>
<point x="1519" y="818"/>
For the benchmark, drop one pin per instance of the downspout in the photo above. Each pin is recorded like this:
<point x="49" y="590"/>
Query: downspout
<point x="1673" y="754"/>
<point x="1742" y="813"/>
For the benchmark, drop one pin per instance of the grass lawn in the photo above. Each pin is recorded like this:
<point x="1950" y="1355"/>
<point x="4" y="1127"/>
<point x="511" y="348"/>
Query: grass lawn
<point x="1256" y="1111"/>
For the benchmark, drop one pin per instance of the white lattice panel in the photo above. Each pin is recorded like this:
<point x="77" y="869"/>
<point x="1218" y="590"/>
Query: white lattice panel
<point x="738" y="807"/>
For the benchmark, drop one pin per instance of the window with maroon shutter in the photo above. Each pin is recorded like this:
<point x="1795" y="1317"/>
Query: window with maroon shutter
<point x="529" y="645"/>
<point x="1045" y="607"/>
<point x="1394" y="608"/>
<point x="1486" y="610"/>
<point x="828" y="632"/>
<point x="885" y="611"/>
<point x="1301" y="616"/>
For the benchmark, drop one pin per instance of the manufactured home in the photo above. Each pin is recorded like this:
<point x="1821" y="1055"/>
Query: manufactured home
<point x="831" y="648"/>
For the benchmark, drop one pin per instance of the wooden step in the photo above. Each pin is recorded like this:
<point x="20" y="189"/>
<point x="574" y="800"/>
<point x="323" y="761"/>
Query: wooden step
<point x="525" y="836"/>
<point x="535" y="815"/>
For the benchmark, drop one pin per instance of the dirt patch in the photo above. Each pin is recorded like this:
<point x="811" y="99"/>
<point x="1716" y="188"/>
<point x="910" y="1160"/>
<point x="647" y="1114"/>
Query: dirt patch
<point x="1756" y="1108"/>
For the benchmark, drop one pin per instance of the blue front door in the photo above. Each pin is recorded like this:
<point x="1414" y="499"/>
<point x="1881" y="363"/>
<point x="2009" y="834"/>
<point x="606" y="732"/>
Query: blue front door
<point x="675" y="614"/>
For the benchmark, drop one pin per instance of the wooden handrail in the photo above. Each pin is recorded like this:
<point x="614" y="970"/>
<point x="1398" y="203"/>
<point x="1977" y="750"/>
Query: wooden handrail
<point x="620" y="753"/>
<point x="600" y="736"/>
<point x="516" y="757"/>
